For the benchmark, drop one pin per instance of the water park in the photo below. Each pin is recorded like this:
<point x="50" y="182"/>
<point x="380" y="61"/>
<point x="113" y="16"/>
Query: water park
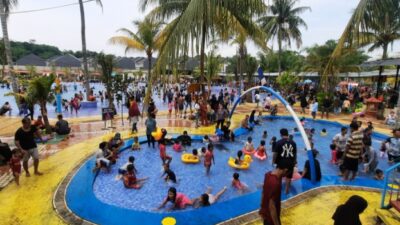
<point x="185" y="136"/>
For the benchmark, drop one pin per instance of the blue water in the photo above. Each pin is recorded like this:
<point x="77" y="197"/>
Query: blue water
<point x="191" y="178"/>
<point x="83" y="111"/>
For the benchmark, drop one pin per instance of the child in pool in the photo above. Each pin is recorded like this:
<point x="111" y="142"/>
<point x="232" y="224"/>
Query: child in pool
<point x="177" y="146"/>
<point x="195" y="153"/>
<point x="303" y="121"/>
<point x="237" y="184"/>
<point x="130" y="180"/>
<point x="135" y="145"/>
<point x="179" y="200"/>
<point x="249" y="147"/>
<point x="265" y="135"/>
<point x="123" y="169"/>
<point x="170" y="174"/>
<point x="15" y="164"/>
<point x="295" y="130"/>
<point x="384" y="147"/>
<point x="379" y="174"/>
<point x="238" y="159"/>
<point x="296" y="175"/>
<point x="261" y="152"/>
<point x="209" y="158"/>
<point x="323" y="133"/>
<point x="333" y="154"/>
<point x="206" y="140"/>
<point x="207" y="198"/>
<point x="202" y="152"/>
<point x="163" y="152"/>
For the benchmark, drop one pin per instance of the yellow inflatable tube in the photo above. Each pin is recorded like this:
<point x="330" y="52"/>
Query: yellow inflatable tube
<point x="190" y="158"/>
<point x="157" y="134"/>
<point x="243" y="166"/>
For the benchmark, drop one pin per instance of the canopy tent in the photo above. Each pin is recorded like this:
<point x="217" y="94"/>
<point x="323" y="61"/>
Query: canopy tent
<point x="381" y="63"/>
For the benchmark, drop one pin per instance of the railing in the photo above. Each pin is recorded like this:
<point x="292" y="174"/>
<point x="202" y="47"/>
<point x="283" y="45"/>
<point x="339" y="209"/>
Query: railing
<point x="391" y="188"/>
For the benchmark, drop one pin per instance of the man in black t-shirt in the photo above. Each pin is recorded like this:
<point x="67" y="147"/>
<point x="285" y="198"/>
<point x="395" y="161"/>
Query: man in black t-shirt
<point x="326" y="107"/>
<point x="286" y="151"/>
<point x="25" y="141"/>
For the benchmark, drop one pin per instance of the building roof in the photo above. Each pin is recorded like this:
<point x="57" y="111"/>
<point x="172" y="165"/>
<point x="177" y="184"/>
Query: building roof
<point x="67" y="60"/>
<point x="191" y="64"/>
<point x="32" y="60"/>
<point x="382" y="62"/>
<point x="126" y="63"/>
<point x="146" y="63"/>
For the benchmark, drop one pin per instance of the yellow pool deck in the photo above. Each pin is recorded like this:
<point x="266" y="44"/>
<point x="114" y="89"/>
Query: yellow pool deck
<point x="319" y="210"/>
<point x="31" y="202"/>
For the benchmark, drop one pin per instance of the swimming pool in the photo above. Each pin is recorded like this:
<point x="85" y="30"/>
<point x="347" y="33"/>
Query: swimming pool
<point x="111" y="203"/>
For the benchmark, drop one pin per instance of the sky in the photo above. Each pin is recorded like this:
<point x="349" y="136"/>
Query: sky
<point x="61" y="27"/>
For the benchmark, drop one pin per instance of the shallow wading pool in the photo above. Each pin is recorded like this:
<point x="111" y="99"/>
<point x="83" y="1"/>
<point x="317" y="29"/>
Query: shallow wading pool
<point x="102" y="199"/>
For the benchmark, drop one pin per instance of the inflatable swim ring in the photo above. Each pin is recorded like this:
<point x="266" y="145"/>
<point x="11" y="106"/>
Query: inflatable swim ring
<point x="190" y="158"/>
<point x="245" y="164"/>
<point x="260" y="157"/>
<point x="248" y="152"/>
<point x="323" y="134"/>
<point x="157" y="134"/>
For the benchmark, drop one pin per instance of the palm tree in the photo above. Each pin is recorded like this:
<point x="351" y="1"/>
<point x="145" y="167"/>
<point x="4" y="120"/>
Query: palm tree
<point x="197" y="22"/>
<point x="84" y="52"/>
<point x="283" y="23"/>
<point x="213" y="67"/>
<point x="241" y="38"/>
<point x="351" y="37"/>
<point x="5" y="7"/>
<point x="39" y="92"/>
<point x="148" y="38"/>
<point x="384" y="28"/>
<point x="106" y="63"/>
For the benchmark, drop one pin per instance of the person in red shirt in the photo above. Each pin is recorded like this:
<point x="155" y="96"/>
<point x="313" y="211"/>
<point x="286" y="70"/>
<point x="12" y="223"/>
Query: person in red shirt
<point x="166" y="159"/>
<point x="271" y="194"/>
<point x="15" y="164"/>
<point x="130" y="179"/>
<point x="209" y="158"/>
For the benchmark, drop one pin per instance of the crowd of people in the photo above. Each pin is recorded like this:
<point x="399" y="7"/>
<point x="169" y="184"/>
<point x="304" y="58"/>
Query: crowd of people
<point x="349" y="148"/>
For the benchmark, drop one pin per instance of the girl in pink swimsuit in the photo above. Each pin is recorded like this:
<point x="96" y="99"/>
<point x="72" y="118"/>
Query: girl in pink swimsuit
<point x="237" y="184"/>
<point x="179" y="200"/>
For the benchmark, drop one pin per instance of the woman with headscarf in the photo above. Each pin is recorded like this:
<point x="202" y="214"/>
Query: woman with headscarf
<point x="349" y="213"/>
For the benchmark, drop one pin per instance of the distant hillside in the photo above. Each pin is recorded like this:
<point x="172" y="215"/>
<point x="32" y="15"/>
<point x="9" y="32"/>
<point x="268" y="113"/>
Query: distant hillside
<point x="20" y="49"/>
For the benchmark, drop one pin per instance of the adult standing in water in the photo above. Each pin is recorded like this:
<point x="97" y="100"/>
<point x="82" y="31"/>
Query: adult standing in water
<point x="270" y="209"/>
<point x="286" y="154"/>
<point x="25" y="141"/>
<point x="151" y="126"/>
<point x="353" y="152"/>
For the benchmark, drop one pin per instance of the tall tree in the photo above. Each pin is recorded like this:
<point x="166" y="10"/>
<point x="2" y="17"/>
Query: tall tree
<point x="197" y="23"/>
<point x="39" y="92"/>
<point x="359" y="22"/>
<point x="384" y="28"/>
<point x="84" y="52"/>
<point x="5" y="7"/>
<point x="283" y="22"/>
<point x="107" y="63"/>
<point x="148" y="38"/>
<point x="214" y="63"/>
<point x="241" y="37"/>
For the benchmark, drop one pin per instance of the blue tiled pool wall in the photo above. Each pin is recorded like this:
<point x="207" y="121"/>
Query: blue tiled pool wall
<point x="80" y="195"/>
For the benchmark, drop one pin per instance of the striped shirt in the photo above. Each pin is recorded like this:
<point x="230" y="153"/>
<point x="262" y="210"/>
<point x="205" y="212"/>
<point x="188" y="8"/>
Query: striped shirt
<point x="355" y="145"/>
